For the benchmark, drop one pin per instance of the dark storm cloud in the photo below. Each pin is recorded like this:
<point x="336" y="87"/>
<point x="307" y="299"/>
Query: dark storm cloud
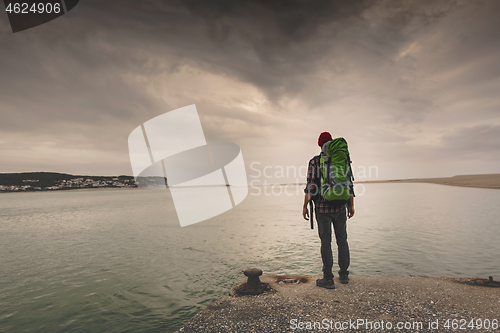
<point x="79" y="69"/>
<point x="277" y="45"/>
<point x="271" y="69"/>
<point x="274" y="45"/>
<point x="266" y="43"/>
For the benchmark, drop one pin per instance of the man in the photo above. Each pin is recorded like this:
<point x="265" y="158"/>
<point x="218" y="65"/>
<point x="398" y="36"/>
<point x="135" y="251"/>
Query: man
<point x="328" y="213"/>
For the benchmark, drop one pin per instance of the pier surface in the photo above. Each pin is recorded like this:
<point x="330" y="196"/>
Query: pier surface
<point x="366" y="304"/>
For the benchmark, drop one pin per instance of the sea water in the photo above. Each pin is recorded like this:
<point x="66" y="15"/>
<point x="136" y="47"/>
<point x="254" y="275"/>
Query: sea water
<point x="118" y="261"/>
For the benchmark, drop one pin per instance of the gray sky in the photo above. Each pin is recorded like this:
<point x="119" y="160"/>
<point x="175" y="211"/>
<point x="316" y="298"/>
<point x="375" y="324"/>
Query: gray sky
<point x="412" y="85"/>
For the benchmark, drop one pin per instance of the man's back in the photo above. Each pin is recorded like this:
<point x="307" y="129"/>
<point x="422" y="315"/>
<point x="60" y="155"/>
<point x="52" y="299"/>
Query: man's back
<point x="329" y="213"/>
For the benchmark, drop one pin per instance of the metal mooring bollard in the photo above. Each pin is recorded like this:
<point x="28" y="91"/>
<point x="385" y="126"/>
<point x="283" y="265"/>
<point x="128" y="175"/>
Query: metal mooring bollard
<point x="253" y="280"/>
<point x="252" y="286"/>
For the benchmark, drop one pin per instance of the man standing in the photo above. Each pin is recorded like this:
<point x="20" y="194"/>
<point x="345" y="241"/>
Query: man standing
<point x="328" y="213"/>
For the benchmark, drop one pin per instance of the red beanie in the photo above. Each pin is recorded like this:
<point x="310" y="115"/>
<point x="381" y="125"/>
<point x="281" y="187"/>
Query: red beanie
<point x="324" y="137"/>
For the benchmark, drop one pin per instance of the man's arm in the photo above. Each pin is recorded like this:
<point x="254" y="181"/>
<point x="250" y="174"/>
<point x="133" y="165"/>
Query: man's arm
<point x="311" y="177"/>
<point x="350" y="207"/>
<point x="305" y="211"/>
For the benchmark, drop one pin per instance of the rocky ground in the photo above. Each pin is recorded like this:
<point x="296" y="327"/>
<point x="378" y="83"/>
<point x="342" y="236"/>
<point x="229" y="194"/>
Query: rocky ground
<point x="366" y="304"/>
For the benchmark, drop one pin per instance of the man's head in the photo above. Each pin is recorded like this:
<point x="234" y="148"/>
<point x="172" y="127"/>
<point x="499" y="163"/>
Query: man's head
<point x="323" y="138"/>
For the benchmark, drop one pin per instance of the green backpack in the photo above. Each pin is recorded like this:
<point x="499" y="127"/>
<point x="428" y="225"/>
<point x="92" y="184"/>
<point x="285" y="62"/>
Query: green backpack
<point x="335" y="171"/>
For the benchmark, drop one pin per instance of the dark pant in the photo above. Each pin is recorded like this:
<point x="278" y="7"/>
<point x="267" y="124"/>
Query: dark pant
<point x="325" y="234"/>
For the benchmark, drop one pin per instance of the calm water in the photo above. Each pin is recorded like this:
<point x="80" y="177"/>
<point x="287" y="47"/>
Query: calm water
<point x="118" y="261"/>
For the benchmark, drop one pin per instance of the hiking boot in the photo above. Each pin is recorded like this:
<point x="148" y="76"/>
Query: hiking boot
<point x="328" y="284"/>
<point x="344" y="277"/>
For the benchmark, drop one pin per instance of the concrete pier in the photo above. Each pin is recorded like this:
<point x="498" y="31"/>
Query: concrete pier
<point x="366" y="304"/>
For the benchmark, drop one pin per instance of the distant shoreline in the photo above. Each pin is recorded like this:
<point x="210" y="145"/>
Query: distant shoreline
<point x="479" y="181"/>
<point x="491" y="181"/>
<point x="76" y="189"/>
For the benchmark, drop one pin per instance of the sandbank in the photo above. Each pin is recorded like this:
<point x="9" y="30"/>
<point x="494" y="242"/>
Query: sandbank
<point x="480" y="181"/>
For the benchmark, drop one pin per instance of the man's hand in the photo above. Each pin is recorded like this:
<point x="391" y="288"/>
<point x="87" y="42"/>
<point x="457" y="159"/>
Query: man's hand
<point x="305" y="213"/>
<point x="350" y="212"/>
<point x="350" y="207"/>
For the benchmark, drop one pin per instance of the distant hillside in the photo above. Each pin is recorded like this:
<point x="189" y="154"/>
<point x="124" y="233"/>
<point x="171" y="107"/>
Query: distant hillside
<point x="45" y="179"/>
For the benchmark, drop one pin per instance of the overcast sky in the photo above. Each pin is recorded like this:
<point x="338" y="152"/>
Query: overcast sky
<point x="414" y="86"/>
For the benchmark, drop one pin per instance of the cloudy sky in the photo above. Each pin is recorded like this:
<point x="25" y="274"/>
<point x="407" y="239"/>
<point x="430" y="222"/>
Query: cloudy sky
<point x="414" y="86"/>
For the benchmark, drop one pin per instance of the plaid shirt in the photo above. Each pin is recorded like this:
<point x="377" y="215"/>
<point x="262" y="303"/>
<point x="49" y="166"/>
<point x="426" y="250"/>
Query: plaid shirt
<point x="313" y="175"/>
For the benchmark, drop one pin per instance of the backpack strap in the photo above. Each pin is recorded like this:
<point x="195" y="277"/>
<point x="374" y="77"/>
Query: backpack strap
<point x="317" y="178"/>
<point x="351" y="176"/>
